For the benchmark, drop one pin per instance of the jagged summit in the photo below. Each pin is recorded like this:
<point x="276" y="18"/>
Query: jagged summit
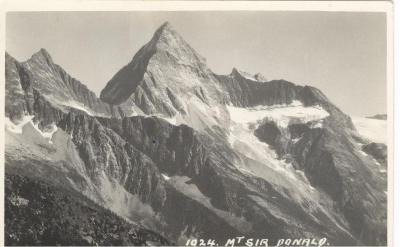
<point x="167" y="39"/>
<point x="41" y="74"/>
<point x="42" y="54"/>
<point x="165" y="28"/>
<point x="239" y="73"/>
<point x="164" y="32"/>
<point x="167" y="63"/>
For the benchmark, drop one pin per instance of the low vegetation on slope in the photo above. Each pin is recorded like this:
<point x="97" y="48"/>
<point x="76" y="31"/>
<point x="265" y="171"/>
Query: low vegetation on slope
<point x="40" y="214"/>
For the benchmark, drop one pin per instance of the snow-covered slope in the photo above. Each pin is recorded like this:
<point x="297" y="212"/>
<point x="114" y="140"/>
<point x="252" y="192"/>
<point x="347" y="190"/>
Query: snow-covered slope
<point x="374" y="130"/>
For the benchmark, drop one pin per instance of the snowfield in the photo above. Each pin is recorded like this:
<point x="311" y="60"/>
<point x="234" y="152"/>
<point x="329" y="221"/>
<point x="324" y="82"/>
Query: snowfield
<point x="18" y="128"/>
<point x="374" y="130"/>
<point x="281" y="114"/>
<point x="262" y="161"/>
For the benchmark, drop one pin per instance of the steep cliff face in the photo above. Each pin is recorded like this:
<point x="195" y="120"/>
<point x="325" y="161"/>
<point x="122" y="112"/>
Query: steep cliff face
<point x="378" y="151"/>
<point x="18" y="92"/>
<point x="190" y="154"/>
<point x="330" y="162"/>
<point x="166" y="78"/>
<point x="245" y="91"/>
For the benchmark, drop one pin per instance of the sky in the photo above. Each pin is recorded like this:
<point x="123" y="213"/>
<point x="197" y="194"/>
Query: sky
<point x="341" y="53"/>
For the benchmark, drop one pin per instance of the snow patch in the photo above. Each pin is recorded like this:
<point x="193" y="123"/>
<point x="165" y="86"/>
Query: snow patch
<point x="374" y="130"/>
<point x="75" y="105"/>
<point x="259" y="158"/>
<point x="47" y="133"/>
<point x="17" y="127"/>
<point x="79" y="106"/>
<point x="165" y="177"/>
<point x="303" y="176"/>
<point x="363" y="153"/>
<point x="245" y="142"/>
<point x="133" y="112"/>
<point x="281" y="114"/>
<point x="19" y="201"/>
<point x="317" y="124"/>
<point x="171" y="120"/>
<point x="295" y="140"/>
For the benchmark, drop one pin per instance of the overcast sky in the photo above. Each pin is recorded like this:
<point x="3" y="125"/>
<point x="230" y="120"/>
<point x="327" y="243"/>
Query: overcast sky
<point x="343" y="54"/>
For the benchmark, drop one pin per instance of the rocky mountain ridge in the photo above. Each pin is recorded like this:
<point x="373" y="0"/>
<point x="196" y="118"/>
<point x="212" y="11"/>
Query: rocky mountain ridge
<point x="238" y="155"/>
<point x="40" y="73"/>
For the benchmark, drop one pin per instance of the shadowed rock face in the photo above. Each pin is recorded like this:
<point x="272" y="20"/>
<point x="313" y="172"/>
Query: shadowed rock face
<point x="330" y="163"/>
<point x="189" y="179"/>
<point x="378" y="151"/>
<point x="18" y="94"/>
<point x="244" y="92"/>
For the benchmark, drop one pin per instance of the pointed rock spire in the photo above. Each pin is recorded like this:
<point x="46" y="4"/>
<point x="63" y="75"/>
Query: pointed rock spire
<point x="167" y="49"/>
<point x="166" y="38"/>
<point x="42" y="55"/>
<point x="165" y="27"/>
<point x="165" y="31"/>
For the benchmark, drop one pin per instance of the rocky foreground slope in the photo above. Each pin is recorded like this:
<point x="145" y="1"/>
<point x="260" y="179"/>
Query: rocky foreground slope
<point x="187" y="153"/>
<point x="40" y="214"/>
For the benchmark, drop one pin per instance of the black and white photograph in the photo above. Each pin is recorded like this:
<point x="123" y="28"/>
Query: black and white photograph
<point x="194" y="127"/>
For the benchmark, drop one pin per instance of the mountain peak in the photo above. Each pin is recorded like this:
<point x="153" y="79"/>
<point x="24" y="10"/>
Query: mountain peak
<point x="167" y="39"/>
<point x="166" y="58"/>
<point x="166" y="29"/>
<point x="167" y="35"/>
<point x="42" y="55"/>
<point x="9" y="57"/>
<point x="166" y="26"/>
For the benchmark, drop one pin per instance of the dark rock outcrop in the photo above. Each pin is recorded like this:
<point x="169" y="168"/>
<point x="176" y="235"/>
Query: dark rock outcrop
<point x="18" y="94"/>
<point x="331" y="164"/>
<point x="244" y="92"/>
<point x="378" y="151"/>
